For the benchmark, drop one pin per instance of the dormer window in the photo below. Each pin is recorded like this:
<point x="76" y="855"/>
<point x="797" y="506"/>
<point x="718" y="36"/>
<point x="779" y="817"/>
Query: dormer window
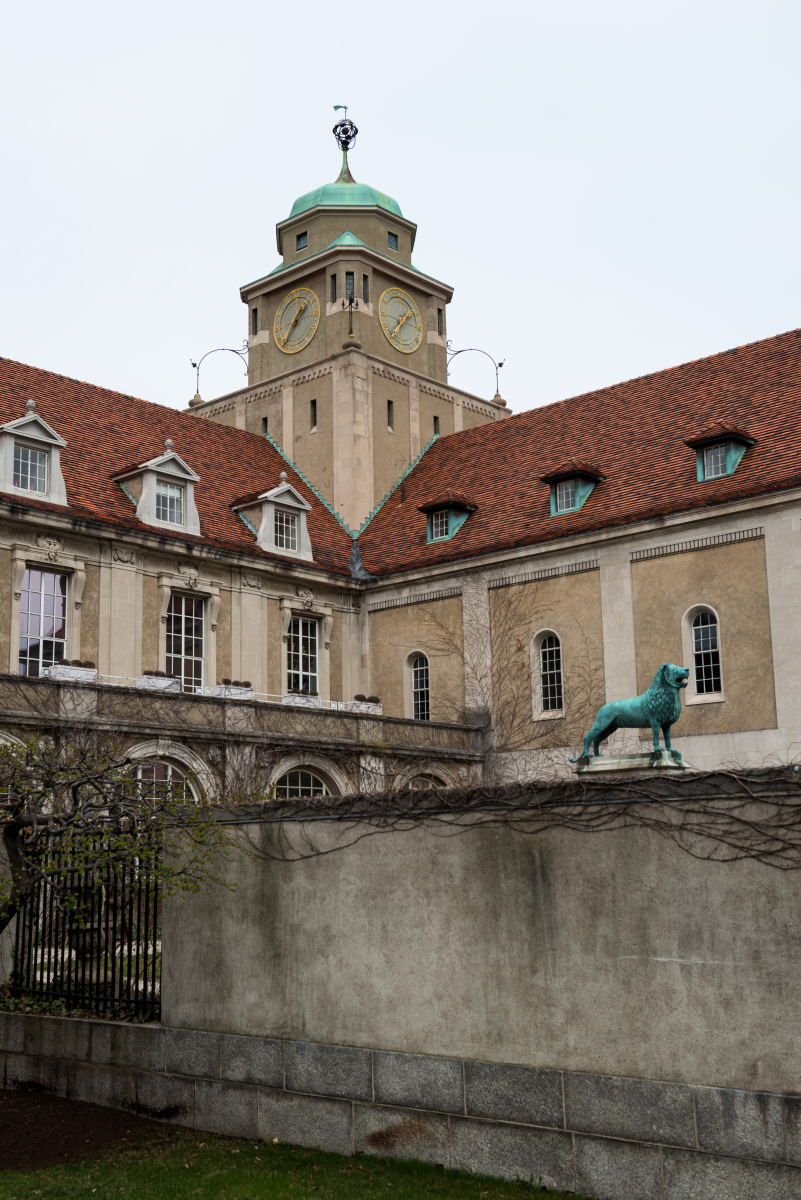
<point x="278" y="519"/>
<point x="301" y="241"/>
<point x="446" y="513"/>
<point x="169" y="502"/>
<point x="286" y="530"/>
<point x="163" y="490"/>
<point x="30" y="458"/>
<point x="718" y="450"/>
<point x="30" y="469"/>
<point x="571" y="484"/>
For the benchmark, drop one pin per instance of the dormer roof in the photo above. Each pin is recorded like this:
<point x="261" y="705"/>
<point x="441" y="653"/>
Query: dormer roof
<point x="168" y="463"/>
<point x="34" y="426"/>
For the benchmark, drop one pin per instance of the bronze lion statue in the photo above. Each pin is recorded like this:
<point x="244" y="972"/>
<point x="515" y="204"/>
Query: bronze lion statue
<point x="659" y="708"/>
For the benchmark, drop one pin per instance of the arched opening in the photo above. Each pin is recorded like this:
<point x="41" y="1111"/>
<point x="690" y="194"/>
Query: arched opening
<point x="702" y="653"/>
<point x="421" y="688"/>
<point x="163" y="780"/>
<point x="299" y="783"/>
<point x="547" y="678"/>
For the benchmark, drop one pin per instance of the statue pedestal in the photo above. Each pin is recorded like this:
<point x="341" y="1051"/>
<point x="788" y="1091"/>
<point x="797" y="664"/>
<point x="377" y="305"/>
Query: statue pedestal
<point x="630" y="764"/>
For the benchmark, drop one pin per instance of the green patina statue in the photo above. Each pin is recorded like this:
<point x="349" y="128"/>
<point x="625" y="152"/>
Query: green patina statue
<point x="659" y="707"/>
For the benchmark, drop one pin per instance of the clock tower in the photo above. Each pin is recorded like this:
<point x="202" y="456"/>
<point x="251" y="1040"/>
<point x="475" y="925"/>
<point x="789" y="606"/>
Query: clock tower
<point x="347" y="347"/>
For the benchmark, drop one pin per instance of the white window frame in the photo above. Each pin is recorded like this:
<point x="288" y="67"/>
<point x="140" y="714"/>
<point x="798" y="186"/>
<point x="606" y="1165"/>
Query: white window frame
<point x="163" y="488"/>
<point x="538" y="713"/>
<point x="196" y="687"/>
<point x="571" y="483"/>
<point x="286" y="529"/>
<point x="312" y="622"/>
<point x="20" y="446"/>
<point x="286" y="498"/>
<point x="691" y="696"/>
<point x="409" y="688"/>
<point x="44" y="569"/>
<point x="35" y="434"/>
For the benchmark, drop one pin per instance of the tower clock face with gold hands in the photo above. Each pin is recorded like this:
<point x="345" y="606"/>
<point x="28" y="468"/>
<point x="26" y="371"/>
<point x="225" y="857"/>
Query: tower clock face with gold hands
<point x="400" y="320"/>
<point x="296" y="320"/>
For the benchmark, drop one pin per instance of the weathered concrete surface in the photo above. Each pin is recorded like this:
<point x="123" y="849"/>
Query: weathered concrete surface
<point x="614" y="954"/>
<point x="626" y="1139"/>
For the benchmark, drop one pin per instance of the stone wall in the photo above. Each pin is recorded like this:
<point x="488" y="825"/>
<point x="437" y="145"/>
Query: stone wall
<point x="629" y="1139"/>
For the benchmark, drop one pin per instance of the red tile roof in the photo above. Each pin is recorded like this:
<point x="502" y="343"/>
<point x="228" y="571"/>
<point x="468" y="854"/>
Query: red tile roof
<point x="635" y="431"/>
<point x="106" y="432"/>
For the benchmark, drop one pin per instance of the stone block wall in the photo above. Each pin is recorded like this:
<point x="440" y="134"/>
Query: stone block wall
<point x="620" y="1138"/>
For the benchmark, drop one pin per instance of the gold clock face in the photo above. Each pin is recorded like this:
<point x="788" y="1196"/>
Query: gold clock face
<point x="400" y="319"/>
<point x="296" y="320"/>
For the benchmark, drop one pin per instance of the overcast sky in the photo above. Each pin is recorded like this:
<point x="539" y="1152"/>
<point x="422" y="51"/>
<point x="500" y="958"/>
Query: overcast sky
<point x="611" y="188"/>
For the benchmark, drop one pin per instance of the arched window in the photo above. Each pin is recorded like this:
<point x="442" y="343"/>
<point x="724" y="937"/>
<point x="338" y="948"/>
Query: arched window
<point x="162" y="780"/>
<point x="551" y="673"/>
<point x="421" y="697"/>
<point x="421" y="783"/>
<point x="706" y="653"/>
<point x="294" y="785"/>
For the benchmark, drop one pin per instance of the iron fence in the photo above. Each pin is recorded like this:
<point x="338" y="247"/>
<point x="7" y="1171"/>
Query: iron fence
<point x="97" y="947"/>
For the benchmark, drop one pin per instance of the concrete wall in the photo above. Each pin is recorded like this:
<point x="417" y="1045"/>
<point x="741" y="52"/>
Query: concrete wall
<point x="628" y="1139"/>
<point x="613" y="954"/>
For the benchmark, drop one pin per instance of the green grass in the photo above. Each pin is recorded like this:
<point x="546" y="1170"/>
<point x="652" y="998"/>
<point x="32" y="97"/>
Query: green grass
<point x="173" y="1163"/>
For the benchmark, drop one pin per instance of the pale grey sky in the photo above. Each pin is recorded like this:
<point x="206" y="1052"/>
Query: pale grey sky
<point x="610" y="188"/>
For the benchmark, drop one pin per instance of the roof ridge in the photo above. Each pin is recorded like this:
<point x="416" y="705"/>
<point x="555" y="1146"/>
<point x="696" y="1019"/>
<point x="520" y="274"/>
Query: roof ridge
<point x="394" y="487"/>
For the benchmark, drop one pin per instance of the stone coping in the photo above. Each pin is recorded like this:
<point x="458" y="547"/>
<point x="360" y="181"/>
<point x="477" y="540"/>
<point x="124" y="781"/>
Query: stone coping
<point x="614" y="1136"/>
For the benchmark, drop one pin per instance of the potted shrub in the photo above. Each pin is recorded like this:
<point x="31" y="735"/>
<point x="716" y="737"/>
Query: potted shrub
<point x="369" y="705"/>
<point x="234" y="689"/>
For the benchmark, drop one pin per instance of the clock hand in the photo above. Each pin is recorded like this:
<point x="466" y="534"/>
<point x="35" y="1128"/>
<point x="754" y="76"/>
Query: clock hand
<point x="294" y="319"/>
<point x="400" y="322"/>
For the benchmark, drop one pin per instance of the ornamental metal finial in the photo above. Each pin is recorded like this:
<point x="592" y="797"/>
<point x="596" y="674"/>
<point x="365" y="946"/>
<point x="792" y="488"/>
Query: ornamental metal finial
<point x="344" y="130"/>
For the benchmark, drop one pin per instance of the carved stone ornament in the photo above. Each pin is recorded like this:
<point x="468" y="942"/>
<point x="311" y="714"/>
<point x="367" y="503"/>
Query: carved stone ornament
<point x="306" y="597"/>
<point x="50" y="546"/>
<point x="122" y="554"/>
<point x="190" y="575"/>
<point x="463" y="773"/>
<point x="215" y="755"/>
<point x="251" y="581"/>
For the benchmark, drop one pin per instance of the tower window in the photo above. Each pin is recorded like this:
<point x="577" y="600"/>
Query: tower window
<point x="301" y="241"/>
<point x="391" y="414"/>
<point x="254" y="321"/>
<point x="440" y="322"/>
<point x="265" y="426"/>
<point x="436" y="425"/>
<point x="392" y="241"/>
<point x="313" y="413"/>
<point x="366" y="289"/>
<point x="333" y="287"/>
<point x="349" y="293"/>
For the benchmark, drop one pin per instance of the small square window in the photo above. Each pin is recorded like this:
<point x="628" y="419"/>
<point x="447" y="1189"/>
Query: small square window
<point x="169" y="503"/>
<point x="715" y="461"/>
<point x="565" y="495"/>
<point x="301" y="241"/>
<point x="392" y="241"/>
<point x="286" y="530"/>
<point x="440" y="523"/>
<point x="30" y="469"/>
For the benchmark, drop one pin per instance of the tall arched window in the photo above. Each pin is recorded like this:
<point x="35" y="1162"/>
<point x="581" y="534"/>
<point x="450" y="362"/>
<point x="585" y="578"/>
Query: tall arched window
<point x="551" y="673"/>
<point x="421" y="696"/>
<point x="706" y="653"/>
<point x="297" y="784"/>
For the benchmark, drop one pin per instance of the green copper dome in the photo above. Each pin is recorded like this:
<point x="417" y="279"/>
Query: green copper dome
<point x="345" y="191"/>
